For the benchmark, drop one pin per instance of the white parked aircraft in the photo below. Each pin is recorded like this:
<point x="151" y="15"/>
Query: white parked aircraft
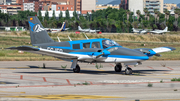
<point x="55" y="30"/>
<point x="87" y="30"/>
<point x="160" y="31"/>
<point x="142" y="31"/>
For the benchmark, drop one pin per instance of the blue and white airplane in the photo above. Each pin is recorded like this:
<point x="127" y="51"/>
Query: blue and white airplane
<point x="88" y="51"/>
<point x="56" y="30"/>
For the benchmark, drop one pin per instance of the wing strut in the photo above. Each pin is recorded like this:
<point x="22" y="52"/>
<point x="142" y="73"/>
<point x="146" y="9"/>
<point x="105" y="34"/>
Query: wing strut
<point x="58" y="39"/>
<point x="69" y="38"/>
<point x="86" y="37"/>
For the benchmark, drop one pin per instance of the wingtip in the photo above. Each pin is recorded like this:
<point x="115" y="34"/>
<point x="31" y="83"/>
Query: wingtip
<point x="172" y="48"/>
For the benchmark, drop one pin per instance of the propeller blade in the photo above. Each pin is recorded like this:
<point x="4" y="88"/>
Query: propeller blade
<point x="158" y="55"/>
<point x="145" y="51"/>
<point x="99" y="55"/>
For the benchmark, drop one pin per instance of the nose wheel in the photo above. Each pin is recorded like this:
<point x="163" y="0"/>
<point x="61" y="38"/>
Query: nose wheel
<point x="128" y="71"/>
<point x="77" y="69"/>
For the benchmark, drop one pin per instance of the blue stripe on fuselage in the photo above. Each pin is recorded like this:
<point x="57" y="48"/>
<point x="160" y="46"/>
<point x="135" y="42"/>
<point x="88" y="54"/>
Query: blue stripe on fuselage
<point x="113" y="56"/>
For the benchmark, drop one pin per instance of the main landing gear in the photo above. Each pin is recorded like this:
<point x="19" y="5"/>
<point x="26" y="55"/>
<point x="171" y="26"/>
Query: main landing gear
<point x="77" y="69"/>
<point x="118" y="68"/>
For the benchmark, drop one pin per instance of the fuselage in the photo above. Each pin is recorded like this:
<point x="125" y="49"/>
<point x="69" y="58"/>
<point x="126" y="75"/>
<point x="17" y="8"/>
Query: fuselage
<point x="87" y="50"/>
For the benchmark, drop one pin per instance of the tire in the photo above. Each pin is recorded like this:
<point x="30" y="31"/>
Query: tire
<point x="128" y="71"/>
<point x="118" y="68"/>
<point x="77" y="69"/>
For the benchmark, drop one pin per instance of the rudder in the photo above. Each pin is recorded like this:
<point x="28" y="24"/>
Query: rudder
<point x="37" y="32"/>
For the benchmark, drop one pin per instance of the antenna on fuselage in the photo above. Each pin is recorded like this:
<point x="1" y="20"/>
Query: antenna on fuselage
<point x="69" y="38"/>
<point x="58" y="39"/>
<point x="86" y="37"/>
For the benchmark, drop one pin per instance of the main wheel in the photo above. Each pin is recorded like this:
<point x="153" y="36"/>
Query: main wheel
<point x="77" y="69"/>
<point x="118" y="67"/>
<point x="128" y="71"/>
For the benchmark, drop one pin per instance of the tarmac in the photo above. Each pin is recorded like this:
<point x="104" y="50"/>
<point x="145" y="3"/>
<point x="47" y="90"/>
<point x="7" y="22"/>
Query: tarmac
<point x="29" y="81"/>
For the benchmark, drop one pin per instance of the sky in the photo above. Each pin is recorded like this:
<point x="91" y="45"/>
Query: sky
<point x="172" y="1"/>
<point x="107" y="1"/>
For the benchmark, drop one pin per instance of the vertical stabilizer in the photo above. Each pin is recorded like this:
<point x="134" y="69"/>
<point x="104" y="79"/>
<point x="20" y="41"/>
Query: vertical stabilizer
<point x="64" y="26"/>
<point x="166" y="29"/>
<point x="37" y="32"/>
<point x="79" y="28"/>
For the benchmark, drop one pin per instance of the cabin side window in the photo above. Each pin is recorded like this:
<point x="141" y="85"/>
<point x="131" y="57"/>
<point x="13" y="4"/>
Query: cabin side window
<point x="95" y="45"/>
<point x="86" y="45"/>
<point x="76" y="46"/>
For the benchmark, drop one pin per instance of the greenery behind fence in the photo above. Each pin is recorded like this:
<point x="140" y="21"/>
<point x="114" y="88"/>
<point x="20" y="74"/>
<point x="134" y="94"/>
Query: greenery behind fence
<point x="106" y="20"/>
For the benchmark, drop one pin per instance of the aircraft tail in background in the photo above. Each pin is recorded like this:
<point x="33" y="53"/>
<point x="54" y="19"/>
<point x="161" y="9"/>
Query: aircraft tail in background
<point x="79" y="28"/>
<point x="37" y="32"/>
<point x="166" y="29"/>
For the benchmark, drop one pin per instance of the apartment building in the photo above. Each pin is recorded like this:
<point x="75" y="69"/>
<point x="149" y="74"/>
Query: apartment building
<point x="134" y="5"/>
<point x="88" y="6"/>
<point x="11" y="9"/>
<point x="154" y="4"/>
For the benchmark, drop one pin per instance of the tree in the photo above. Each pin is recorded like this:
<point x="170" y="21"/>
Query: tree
<point x="155" y="14"/>
<point x="46" y="16"/>
<point x="75" y="14"/>
<point x="176" y="13"/>
<point x="128" y="12"/>
<point x="67" y="15"/>
<point x="138" y="12"/>
<point x="166" y="14"/>
<point x="145" y="12"/>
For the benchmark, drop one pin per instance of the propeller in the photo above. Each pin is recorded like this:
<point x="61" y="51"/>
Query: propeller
<point x="151" y="52"/>
<point x="107" y="52"/>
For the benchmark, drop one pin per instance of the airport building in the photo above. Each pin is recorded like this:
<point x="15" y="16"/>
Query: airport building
<point x="134" y="5"/>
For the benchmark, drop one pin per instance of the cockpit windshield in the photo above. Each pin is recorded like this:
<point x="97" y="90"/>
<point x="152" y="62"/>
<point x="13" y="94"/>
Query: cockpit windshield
<point x="109" y="43"/>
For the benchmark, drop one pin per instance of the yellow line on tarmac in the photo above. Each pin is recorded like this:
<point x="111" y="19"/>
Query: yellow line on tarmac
<point x="63" y="97"/>
<point x="13" y="92"/>
<point x="162" y="100"/>
<point x="23" y="67"/>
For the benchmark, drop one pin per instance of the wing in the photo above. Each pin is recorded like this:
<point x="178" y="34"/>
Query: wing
<point x="163" y="49"/>
<point x="155" y="51"/>
<point x="41" y="51"/>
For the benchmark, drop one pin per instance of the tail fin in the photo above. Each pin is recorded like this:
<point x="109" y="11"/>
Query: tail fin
<point x="63" y="28"/>
<point x="37" y="32"/>
<point x="79" y="28"/>
<point x="166" y="29"/>
<point x="134" y="30"/>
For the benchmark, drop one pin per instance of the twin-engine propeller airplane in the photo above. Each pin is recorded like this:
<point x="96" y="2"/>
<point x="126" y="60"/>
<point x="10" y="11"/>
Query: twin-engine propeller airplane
<point x="88" y="51"/>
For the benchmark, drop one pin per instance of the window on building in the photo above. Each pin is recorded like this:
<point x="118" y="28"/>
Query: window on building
<point x="71" y="8"/>
<point x="59" y="8"/>
<point x="76" y="46"/>
<point x="67" y="7"/>
<point x="62" y="7"/>
<point x="95" y="45"/>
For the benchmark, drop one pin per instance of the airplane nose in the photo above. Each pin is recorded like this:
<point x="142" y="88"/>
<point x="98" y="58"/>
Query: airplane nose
<point x="130" y="53"/>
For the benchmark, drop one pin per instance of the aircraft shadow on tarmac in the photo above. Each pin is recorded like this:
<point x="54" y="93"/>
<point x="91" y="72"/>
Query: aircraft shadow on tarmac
<point x="94" y="72"/>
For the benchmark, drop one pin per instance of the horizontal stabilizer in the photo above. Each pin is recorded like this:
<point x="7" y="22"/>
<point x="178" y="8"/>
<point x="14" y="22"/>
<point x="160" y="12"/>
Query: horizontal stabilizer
<point x="47" y="52"/>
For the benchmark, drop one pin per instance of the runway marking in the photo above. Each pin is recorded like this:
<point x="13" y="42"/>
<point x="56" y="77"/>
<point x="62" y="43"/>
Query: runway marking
<point x="112" y="65"/>
<point x="44" y="79"/>
<point x="68" y="81"/>
<point x="63" y="97"/>
<point x="170" y="68"/>
<point x="150" y="67"/>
